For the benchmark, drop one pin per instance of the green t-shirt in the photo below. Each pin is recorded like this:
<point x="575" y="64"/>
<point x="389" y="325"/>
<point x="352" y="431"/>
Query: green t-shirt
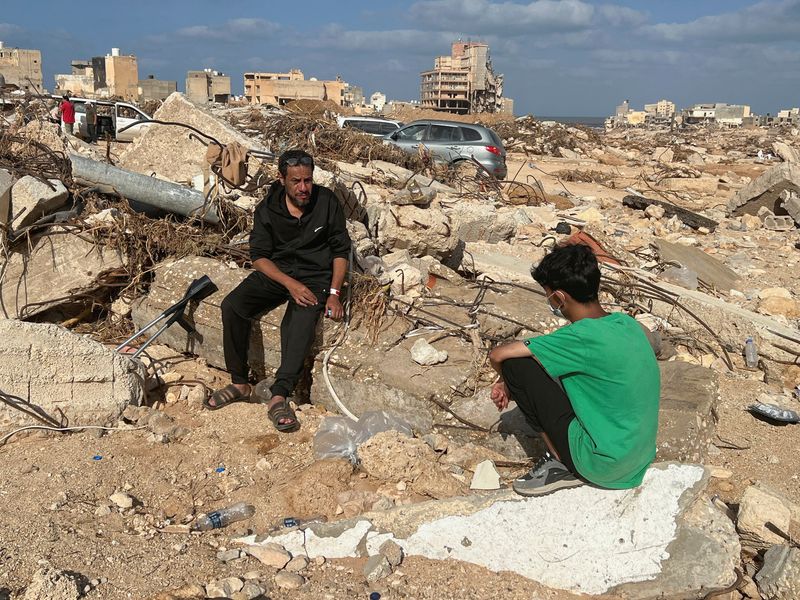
<point x="611" y="377"/>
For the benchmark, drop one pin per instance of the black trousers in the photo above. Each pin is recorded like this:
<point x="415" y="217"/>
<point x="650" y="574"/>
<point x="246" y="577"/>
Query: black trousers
<point x="543" y="401"/>
<point x="256" y="295"/>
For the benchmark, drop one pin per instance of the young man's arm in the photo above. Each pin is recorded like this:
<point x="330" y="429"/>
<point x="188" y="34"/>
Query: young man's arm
<point x="339" y="242"/>
<point x="496" y="358"/>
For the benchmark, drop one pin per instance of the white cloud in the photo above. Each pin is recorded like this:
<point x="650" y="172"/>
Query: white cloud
<point x="621" y="16"/>
<point x="389" y="41"/>
<point x="767" y="21"/>
<point x="232" y="30"/>
<point x="8" y="29"/>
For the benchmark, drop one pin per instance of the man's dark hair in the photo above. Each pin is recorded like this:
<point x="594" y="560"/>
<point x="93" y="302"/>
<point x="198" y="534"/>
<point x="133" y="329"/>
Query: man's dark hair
<point x="572" y="269"/>
<point x="66" y="96"/>
<point x="292" y="158"/>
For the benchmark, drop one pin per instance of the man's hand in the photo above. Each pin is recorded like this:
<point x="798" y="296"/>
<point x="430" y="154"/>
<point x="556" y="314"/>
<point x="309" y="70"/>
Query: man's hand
<point x="500" y="395"/>
<point x="334" y="308"/>
<point x="301" y="294"/>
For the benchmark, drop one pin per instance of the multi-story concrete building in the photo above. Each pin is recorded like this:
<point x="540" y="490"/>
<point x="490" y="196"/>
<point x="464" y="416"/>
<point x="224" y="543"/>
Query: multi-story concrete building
<point x="156" y="89"/>
<point x="377" y="101"/>
<point x="353" y="96"/>
<point x="663" y="109"/>
<point x="203" y="87"/>
<point x="112" y="75"/>
<point x="731" y="115"/>
<point x="788" y="116"/>
<point x="280" y="88"/>
<point x="463" y="82"/>
<point x="22" y="68"/>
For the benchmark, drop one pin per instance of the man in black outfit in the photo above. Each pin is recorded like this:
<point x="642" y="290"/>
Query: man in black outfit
<point x="299" y="247"/>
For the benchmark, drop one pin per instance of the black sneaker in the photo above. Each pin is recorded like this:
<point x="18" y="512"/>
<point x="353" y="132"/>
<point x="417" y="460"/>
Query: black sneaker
<point x="546" y="477"/>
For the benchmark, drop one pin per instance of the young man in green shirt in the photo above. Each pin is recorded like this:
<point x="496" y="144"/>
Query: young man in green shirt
<point x="591" y="387"/>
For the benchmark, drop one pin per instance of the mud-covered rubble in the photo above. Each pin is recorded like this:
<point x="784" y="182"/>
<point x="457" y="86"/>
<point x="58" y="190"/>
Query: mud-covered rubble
<point x="704" y="256"/>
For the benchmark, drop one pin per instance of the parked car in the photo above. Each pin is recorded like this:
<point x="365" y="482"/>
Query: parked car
<point x="370" y="125"/>
<point x="112" y="117"/>
<point x="452" y="142"/>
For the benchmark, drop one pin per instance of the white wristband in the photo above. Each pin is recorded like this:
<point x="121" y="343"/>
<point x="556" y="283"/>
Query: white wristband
<point x="333" y="292"/>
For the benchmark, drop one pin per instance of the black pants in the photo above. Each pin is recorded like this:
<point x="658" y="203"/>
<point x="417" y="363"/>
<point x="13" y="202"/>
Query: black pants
<point x="543" y="402"/>
<point x="256" y="295"/>
<point x="91" y="133"/>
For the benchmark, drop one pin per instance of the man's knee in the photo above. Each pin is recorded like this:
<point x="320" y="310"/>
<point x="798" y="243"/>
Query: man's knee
<point x="512" y="367"/>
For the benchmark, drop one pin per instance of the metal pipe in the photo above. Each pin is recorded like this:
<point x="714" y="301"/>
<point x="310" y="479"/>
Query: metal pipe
<point x="143" y="189"/>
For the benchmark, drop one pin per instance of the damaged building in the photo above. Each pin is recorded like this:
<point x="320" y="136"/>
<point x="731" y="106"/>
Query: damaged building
<point x="21" y="68"/>
<point x="156" y="89"/>
<point x="208" y="85"/>
<point x="109" y="76"/>
<point x="464" y="82"/>
<point x="279" y="88"/>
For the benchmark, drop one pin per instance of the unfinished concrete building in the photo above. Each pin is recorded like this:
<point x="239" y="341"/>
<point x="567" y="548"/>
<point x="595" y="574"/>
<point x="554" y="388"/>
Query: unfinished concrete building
<point x="206" y="86"/>
<point x="729" y="115"/>
<point x="110" y="76"/>
<point x="21" y="68"/>
<point x="463" y="82"/>
<point x="156" y="89"/>
<point x="279" y="88"/>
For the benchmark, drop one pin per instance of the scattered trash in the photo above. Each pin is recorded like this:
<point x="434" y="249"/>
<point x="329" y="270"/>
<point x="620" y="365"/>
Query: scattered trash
<point x="750" y="354"/>
<point x="776" y="413"/>
<point x="339" y="437"/>
<point x="97" y="457"/>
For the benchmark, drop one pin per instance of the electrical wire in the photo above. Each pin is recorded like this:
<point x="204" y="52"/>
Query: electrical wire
<point x="72" y="428"/>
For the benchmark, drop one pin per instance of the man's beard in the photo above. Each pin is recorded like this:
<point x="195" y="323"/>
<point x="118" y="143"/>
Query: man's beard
<point x="298" y="202"/>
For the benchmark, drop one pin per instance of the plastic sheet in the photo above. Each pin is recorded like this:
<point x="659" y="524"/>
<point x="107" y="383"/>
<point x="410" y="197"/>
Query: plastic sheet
<point x="339" y="437"/>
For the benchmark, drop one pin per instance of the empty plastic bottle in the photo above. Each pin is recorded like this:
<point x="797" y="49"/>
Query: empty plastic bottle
<point x="750" y="354"/>
<point x="224" y="517"/>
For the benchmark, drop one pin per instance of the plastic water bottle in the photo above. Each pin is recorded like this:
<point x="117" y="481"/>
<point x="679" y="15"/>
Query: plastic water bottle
<point x="224" y="517"/>
<point x="750" y="354"/>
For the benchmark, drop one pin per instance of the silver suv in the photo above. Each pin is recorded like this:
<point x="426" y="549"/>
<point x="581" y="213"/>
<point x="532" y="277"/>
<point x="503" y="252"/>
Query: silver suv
<point x="452" y="142"/>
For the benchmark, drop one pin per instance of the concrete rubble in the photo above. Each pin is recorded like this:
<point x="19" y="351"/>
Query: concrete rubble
<point x="699" y="241"/>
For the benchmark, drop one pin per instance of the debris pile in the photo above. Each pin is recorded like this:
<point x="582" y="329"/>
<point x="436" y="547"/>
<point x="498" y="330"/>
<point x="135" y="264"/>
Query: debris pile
<point x="698" y="236"/>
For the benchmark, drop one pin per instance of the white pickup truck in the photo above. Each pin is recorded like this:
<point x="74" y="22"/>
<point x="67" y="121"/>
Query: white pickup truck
<point x="112" y="117"/>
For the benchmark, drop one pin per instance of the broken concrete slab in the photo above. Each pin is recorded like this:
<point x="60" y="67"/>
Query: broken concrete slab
<point x="708" y="269"/>
<point x="59" y="372"/>
<point x="403" y="176"/>
<point x="779" y="578"/>
<point x="663" y="539"/>
<point x="421" y="231"/>
<point x="501" y="261"/>
<point x="32" y="199"/>
<point x="481" y="223"/>
<point x="168" y="151"/>
<point x="169" y="286"/>
<point x="786" y="152"/>
<point x="6" y="183"/>
<point x="56" y="266"/>
<point x="766" y="191"/>
<point x="791" y="204"/>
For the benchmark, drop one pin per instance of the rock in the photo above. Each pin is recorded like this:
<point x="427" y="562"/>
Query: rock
<point x="664" y="155"/>
<point x="35" y="199"/>
<point x="751" y="222"/>
<point x="54" y="267"/>
<point x="289" y="581"/>
<point x="440" y="442"/>
<point x="224" y="587"/>
<point x="122" y="500"/>
<point x="197" y="395"/>
<point x="252" y="590"/>
<point x="298" y="563"/>
<point x="708" y="268"/>
<point x="704" y="186"/>
<point x="568" y="154"/>
<point x="791" y="204"/>
<point x="57" y="370"/>
<point x="419" y="196"/>
<point x="392" y="551"/>
<point x="774" y="292"/>
<point x="766" y="190"/>
<point x="146" y="154"/>
<point x="486" y="477"/>
<point x="654" y="211"/>
<point x="779" y="578"/>
<point x="758" y="507"/>
<point x="6" y="183"/>
<point x="272" y="555"/>
<point x="185" y="592"/>
<point x="775" y="305"/>
<point x="423" y="353"/>
<point x="676" y="543"/>
<point x="377" y="568"/>
<point x="421" y="231"/>
<point x="404" y="280"/>
<point x="51" y="584"/>
<point x="229" y="555"/>
<point x="786" y="152"/>
<point x="481" y="222"/>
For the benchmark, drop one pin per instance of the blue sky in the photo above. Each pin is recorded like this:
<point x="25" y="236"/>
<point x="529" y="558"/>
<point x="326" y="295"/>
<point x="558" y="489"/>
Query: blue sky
<point x="560" y="57"/>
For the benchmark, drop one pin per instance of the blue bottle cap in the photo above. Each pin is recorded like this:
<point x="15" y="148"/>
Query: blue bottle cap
<point x="375" y="596"/>
<point x="97" y="457"/>
<point x="220" y="469"/>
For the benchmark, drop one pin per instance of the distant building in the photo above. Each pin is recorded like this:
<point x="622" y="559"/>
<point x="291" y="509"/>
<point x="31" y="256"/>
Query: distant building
<point x="464" y="82"/>
<point x="377" y="101"/>
<point x="280" y="88"/>
<point x="788" y="116"/>
<point x="731" y="115"/>
<point x="22" y="68"/>
<point x="112" y="75"/>
<point x="660" y="113"/>
<point x="206" y="86"/>
<point x="353" y="96"/>
<point x="623" y="109"/>
<point x="156" y="89"/>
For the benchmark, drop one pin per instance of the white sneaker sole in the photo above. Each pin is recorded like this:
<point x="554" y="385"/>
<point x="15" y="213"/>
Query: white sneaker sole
<point x="544" y="490"/>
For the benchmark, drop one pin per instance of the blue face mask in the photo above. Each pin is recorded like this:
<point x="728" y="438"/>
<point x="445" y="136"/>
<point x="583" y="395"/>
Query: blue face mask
<point x="556" y="311"/>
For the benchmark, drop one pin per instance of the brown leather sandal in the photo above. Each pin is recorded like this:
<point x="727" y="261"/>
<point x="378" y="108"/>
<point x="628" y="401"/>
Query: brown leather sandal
<point x="222" y="398"/>
<point x="280" y="411"/>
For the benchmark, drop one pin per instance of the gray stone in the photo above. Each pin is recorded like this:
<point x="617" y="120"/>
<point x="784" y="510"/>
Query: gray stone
<point x="6" y="183"/>
<point x="665" y="539"/>
<point x="791" y="204"/>
<point x="289" y="581"/>
<point x="766" y="190"/>
<point x="35" y="199"/>
<point x="392" y="551"/>
<point x="481" y="222"/>
<point x="421" y="231"/>
<point x="61" y="372"/>
<point x="224" y="588"/>
<point x="779" y="578"/>
<point x="297" y="564"/>
<point x="51" y="584"/>
<point x="707" y="268"/>
<point x="252" y="590"/>
<point x="377" y="568"/>
<point x="58" y="265"/>
<point x="229" y="555"/>
<point x="423" y="353"/>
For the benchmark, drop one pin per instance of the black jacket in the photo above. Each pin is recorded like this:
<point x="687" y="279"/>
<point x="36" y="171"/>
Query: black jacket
<point x="302" y="248"/>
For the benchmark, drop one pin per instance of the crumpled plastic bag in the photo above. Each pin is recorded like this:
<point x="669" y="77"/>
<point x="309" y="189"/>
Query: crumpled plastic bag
<point x="339" y="437"/>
